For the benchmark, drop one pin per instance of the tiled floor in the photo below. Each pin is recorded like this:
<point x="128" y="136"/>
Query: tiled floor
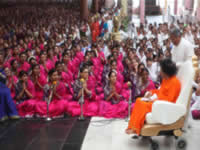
<point x="103" y="134"/>
<point x="69" y="134"/>
<point x="59" y="134"/>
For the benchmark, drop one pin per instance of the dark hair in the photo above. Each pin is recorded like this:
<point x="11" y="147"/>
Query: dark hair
<point x="35" y="65"/>
<point x="58" y="63"/>
<point x="12" y="62"/>
<point x="110" y="73"/>
<point x="168" y="67"/>
<point x="83" y="68"/>
<point x="22" y="73"/>
<point x="141" y="64"/>
<point x="144" y="70"/>
<point x="51" y="72"/>
<point x="22" y="53"/>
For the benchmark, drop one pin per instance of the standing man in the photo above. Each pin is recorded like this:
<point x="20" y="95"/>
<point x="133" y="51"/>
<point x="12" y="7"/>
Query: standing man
<point x="182" y="50"/>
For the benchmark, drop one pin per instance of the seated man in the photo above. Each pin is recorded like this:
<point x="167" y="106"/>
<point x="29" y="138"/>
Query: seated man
<point x="7" y="106"/>
<point x="168" y="91"/>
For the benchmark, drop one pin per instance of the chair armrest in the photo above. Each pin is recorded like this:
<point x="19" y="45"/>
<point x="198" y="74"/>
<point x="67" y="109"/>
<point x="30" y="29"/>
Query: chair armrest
<point x="166" y="112"/>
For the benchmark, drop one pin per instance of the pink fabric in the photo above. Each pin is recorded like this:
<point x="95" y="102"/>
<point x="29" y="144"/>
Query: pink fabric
<point x="28" y="106"/>
<point x="196" y="114"/>
<point x="90" y="107"/>
<point x="25" y="67"/>
<point x="120" y="110"/>
<point x="39" y="93"/>
<point x="57" y="106"/>
<point x="151" y="86"/>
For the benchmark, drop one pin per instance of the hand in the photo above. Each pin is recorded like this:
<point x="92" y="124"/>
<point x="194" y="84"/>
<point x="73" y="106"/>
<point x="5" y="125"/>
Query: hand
<point x="24" y="86"/>
<point x="84" y="85"/>
<point x="148" y="95"/>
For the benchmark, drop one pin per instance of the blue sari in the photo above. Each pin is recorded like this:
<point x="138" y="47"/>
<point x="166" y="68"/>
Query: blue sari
<point x="7" y="106"/>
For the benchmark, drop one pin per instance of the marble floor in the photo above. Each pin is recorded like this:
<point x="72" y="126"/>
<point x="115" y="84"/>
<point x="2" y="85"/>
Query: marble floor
<point x="105" y="134"/>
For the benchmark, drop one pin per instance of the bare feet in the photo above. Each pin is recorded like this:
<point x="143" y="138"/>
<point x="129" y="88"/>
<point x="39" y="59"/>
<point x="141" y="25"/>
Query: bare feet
<point x="129" y="131"/>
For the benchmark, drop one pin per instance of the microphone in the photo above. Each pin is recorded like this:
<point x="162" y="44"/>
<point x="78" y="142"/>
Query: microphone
<point x="49" y="100"/>
<point x="81" y="101"/>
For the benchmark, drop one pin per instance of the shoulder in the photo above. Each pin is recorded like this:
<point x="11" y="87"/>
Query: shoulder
<point x="176" y="82"/>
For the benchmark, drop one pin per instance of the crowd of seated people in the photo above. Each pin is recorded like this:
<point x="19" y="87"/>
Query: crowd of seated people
<point x="50" y="54"/>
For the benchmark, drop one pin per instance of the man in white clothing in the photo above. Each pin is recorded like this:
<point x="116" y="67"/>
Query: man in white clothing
<point x="182" y="50"/>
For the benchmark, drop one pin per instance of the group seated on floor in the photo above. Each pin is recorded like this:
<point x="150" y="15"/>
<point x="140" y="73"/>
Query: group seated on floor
<point x="50" y="55"/>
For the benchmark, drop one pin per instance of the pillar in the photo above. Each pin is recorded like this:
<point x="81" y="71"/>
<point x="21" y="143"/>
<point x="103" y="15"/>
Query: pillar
<point x="142" y="11"/>
<point x="124" y="7"/>
<point x="95" y="5"/>
<point x="175" y="7"/>
<point x="84" y="9"/>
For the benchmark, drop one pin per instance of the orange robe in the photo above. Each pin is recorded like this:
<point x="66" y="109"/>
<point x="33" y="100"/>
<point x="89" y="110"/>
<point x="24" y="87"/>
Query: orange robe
<point x="169" y="91"/>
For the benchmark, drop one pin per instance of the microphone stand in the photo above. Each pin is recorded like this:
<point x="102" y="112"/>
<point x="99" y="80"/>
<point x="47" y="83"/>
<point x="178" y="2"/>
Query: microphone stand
<point x="48" y="102"/>
<point x="81" y="102"/>
<point x="129" y="106"/>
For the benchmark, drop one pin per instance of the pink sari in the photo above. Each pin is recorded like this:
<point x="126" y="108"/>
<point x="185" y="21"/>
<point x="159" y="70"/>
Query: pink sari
<point x="112" y="109"/>
<point x="58" y="105"/>
<point x="90" y="106"/>
<point x="27" y="106"/>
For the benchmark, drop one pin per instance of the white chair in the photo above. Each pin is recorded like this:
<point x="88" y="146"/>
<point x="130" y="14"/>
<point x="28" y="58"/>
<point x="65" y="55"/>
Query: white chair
<point x="169" y="118"/>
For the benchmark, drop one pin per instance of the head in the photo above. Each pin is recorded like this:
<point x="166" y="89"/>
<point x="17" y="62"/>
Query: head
<point x="7" y="72"/>
<point x="84" y="72"/>
<point x="22" y="57"/>
<point x="59" y="67"/>
<point x="175" y="36"/>
<point x="149" y="62"/>
<point x="112" y="77"/>
<point x="141" y="66"/>
<point x="36" y="69"/>
<point x="145" y="75"/>
<point x="23" y="76"/>
<point x="168" y="68"/>
<point x="113" y="65"/>
<point x="53" y="75"/>
<point x="14" y="64"/>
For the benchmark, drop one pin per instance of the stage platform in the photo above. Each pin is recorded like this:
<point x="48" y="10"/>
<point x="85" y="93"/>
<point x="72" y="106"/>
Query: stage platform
<point x="92" y="134"/>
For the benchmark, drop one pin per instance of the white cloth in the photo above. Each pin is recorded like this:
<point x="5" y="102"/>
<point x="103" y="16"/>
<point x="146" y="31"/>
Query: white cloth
<point x="153" y="71"/>
<point x="196" y="105"/>
<point x="183" y="52"/>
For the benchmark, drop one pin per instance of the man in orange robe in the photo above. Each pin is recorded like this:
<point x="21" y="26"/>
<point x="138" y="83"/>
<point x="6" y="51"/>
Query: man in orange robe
<point x="169" y="91"/>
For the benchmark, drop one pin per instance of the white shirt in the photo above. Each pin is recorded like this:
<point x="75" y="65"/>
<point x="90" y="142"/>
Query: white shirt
<point x="183" y="52"/>
<point x="153" y="71"/>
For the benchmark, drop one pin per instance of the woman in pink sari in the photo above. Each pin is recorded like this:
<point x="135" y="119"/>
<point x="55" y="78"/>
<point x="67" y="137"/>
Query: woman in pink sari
<point x="115" y="104"/>
<point x="23" y="64"/>
<point x="55" y="94"/>
<point x="24" y="96"/>
<point x="44" y="66"/>
<point x="90" y="106"/>
<point x="39" y="81"/>
<point x="145" y="84"/>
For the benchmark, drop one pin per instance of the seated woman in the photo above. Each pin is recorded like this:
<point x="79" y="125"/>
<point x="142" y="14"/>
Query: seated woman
<point x="168" y="91"/>
<point x="84" y="83"/>
<point x="115" y="104"/>
<point x="39" y="80"/>
<point x="7" y="106"/>
<point x="145" y="84"/>
<point x="24" y="95"/>
<point x="56" y="93"/>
